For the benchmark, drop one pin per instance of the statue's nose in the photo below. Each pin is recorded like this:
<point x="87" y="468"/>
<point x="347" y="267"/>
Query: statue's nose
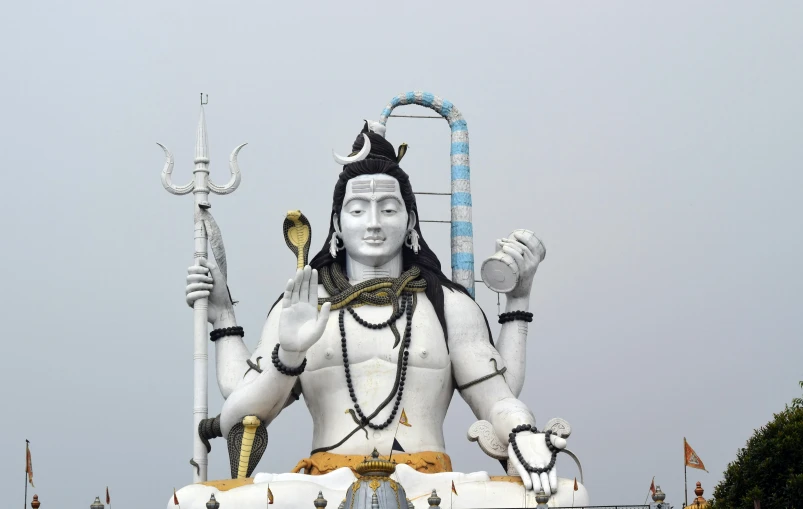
<point x="373" y="218"/>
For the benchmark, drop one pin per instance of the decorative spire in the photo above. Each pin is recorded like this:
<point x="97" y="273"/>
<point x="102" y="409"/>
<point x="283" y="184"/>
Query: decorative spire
<point x="97" y="504"/>
<point x="700" y="501"/>
<point x="434" y="500"/>
<point x="212" y="504"/>
<point x="542" y="498"/>
<point x="35" y="502"/>
<point x="374" y="501"/>
<point x="659" y="496"/>
<point x="376" y="466"/>
<point x="320" y="501"/>
<point x="201" y="142"/>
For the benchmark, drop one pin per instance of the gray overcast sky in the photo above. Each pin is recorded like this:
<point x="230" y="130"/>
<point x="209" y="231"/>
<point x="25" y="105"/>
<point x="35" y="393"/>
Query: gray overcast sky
<point x="654" y="148"/>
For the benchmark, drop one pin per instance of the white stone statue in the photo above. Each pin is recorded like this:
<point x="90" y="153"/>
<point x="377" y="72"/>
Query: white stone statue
<point x="371" y="333"/>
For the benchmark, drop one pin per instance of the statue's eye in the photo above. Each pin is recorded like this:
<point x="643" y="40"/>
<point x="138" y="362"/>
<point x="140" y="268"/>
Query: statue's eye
<point x="356" y="212"/>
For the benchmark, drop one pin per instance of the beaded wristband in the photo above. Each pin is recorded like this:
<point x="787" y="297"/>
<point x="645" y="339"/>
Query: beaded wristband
<point x="547" y="435"/>
<point x="226" y="331"/>
<point x="515" y="315"/>
<point x="281" y="368"/>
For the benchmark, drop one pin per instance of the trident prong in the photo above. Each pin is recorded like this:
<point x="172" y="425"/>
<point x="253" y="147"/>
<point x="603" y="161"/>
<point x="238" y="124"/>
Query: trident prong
<point x="167" y="171"/>
<point x="234" y="181"/>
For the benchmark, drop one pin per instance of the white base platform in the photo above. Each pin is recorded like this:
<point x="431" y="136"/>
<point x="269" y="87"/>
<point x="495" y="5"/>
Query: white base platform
<point x="298" y="491"/>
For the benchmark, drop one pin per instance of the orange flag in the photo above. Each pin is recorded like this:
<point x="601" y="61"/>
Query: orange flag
<point x="575" y="484"/>
<point x="270" y="496"/>
<point x="28" y="464"/>
<point x="692" y="460"/>
<point x="453" y="489"/>
<point x="175" y="498"/>
<point x="108" y="499"/>
<point x="403" y="420"/>
<point x="652" y="486"/>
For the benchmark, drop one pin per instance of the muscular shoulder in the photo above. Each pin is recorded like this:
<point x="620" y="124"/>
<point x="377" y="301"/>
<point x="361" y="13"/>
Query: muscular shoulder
<point x="464" y="318"/>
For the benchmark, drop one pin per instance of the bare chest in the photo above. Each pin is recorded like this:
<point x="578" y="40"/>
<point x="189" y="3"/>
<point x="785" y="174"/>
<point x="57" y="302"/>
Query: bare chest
<point x="427" y="343"/>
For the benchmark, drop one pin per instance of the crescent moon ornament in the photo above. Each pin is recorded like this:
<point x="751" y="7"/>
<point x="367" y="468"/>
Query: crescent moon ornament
<point x="362" y="154"/>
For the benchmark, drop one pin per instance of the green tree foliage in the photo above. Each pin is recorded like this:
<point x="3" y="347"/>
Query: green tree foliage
<point x="769" y="468"/>
<point x="798" y="402"/>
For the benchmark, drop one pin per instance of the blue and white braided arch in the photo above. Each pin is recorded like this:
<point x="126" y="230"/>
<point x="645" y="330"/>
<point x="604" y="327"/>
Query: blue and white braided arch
<point x="462" y="230"/>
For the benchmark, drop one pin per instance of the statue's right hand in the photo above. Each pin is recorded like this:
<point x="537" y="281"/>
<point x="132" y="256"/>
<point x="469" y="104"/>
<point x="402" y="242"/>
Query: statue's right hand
<point x="205" y="280"/>
<point x="300" y="322"/>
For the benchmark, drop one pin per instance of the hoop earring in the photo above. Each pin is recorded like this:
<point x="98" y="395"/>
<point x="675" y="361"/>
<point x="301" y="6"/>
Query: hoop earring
<point x="333" y="244"/>
<point x="412" y="240"/>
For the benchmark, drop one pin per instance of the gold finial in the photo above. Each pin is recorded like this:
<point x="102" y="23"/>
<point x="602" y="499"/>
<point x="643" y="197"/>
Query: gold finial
<point x="376" y="466"/>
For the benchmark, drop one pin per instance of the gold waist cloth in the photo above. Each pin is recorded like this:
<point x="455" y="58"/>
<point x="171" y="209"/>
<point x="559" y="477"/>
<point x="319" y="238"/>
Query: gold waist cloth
<point x="324" y="462"/>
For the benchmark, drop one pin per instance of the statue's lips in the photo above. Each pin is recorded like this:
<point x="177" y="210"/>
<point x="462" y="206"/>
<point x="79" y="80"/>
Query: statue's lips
<point x="373" y="241"/>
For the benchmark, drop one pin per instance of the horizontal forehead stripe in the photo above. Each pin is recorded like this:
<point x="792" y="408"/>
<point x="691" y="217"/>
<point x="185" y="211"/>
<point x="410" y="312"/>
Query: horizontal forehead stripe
<point x="379" y="198"/>
<point x="364" y="186"/>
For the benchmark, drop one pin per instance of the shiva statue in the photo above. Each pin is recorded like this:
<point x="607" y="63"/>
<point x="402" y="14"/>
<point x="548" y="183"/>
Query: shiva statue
<point x="373" y="335"/>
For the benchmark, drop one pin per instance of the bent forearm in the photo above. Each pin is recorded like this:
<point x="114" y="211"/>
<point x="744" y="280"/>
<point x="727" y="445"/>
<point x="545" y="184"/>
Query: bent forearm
<point x="508" y="413"/>
<point x="512" y="344"/>
<point x="263" y="395"/>
<point x="231" y="355"/>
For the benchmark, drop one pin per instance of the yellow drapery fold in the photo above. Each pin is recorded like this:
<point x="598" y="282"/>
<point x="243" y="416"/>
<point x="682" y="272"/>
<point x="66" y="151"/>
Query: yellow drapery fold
<point x="324" y="462"/>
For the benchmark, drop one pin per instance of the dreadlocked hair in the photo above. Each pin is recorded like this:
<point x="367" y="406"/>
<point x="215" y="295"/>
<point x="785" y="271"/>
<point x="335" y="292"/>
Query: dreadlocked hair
<point x="426" y="259"/>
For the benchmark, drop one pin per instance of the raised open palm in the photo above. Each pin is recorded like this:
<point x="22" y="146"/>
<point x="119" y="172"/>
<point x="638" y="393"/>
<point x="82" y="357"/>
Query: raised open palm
<point x="300" y="322"/>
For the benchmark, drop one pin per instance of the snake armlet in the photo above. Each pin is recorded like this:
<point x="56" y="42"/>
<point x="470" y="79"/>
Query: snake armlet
<point x="481" y="379"/>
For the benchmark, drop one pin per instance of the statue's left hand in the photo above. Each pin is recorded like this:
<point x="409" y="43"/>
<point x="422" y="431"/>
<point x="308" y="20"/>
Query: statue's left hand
<point x="527" y="251"/>
<point x="535" y="452"/>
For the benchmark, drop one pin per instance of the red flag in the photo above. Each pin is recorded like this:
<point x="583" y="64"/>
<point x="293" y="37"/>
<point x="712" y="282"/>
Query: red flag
<point x="175" y="498"/>
<point x="453" y="488"/>
<point x="108" y="499"/>
<point x="652" y="485"/>
<point x="28" y="464"/>
<point x="575" y="484"/>
<point x="692" y="460"/>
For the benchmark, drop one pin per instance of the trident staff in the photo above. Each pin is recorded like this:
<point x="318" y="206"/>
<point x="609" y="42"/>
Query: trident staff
<point x="205" y="229"/>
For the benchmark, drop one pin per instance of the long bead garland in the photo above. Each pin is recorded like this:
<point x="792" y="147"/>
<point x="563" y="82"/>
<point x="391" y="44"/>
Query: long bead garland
<point x="403" y="351"/>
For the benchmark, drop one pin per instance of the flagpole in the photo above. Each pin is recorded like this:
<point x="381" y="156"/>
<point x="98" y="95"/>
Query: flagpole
<point x="394" y="438"/>
<point x="25" y="502"/>
<point x="685" y="486"/>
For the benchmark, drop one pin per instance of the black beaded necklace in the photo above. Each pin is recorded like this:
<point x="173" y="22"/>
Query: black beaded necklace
<point x="401" y="368"/>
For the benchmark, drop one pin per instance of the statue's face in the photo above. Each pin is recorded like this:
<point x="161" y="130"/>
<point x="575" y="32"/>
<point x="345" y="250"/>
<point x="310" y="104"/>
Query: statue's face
<point x="373" y="219"/>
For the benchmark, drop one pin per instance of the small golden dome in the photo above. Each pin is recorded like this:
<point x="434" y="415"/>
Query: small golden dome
<point x="376" y="466"/>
